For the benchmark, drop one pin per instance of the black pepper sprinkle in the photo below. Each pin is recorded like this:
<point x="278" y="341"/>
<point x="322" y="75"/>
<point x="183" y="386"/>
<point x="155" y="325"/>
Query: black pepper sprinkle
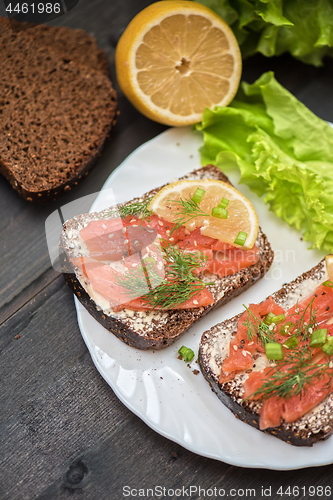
<point x="316" y="295"/>
<point x="243" y="341"/>
<point x="324" y="293"/>
<point x="327" y="308"/>
<point x="240" y="346"/>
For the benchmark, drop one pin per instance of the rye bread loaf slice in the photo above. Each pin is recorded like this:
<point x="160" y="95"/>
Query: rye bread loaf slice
<point x="72" y="44"/>
<point x="55" y="116"/>
<point x="315" y="425"/>
<point x="157" y="329"/>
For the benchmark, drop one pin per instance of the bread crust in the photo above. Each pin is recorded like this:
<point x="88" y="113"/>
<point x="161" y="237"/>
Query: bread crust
<point x="315" y="426"/>
<point x="163" y="331"/>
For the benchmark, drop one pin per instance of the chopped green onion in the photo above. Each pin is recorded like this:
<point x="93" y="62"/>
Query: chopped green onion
<point x="241" y="238"/>
<point x="274" y="350"/>
<point x="271" y="318"/>
<point x="291" y="343"/>
<point x="318" y="338"/>
<point x="328" y="283"/>
<point x="285" y="329"/>
<point x="149" y="260"/>
<point x="198" y="195"/>
<point x="186" y="353"/>
<point x="220" y="213"/>
<point x="328" y="348"/>
<point x="223" y="203"/>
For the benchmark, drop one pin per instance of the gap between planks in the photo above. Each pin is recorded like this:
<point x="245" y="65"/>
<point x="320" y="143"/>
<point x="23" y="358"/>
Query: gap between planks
<point x="28" y="293"/>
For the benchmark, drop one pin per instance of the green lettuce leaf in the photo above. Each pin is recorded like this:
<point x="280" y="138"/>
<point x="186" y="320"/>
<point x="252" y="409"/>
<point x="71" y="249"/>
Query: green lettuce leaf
<point x="304" y="28"/>
<point x="283" y="151"/>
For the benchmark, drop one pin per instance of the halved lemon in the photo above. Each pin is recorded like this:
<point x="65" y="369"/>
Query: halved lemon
<point x="176" y="58"/>
<point x="173" y="202"/>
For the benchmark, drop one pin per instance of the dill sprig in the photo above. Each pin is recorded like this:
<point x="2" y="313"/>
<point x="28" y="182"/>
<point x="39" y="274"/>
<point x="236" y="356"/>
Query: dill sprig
<point x="171" y="294"/>
<point x="189" y="209"/>
<point x="137" y="280"/>
<point x="257" y="328"/>
<point x="180" y="264"/>
<point x="287" y="380"/>
<point x="302" y="328"/>
<point x="136" y="208"/>
<point x="178" y="285"/>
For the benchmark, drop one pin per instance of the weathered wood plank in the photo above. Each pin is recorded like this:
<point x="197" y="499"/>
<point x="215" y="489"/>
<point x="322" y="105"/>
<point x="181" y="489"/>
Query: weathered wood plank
<point x="30" y="291"/>
<point x="49" y="341"/>
<point x="48" y="431"/>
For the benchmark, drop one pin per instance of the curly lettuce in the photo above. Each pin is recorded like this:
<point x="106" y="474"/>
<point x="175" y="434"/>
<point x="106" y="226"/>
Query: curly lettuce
<point x="283" y="151"/>
<point x="304" y="28"/>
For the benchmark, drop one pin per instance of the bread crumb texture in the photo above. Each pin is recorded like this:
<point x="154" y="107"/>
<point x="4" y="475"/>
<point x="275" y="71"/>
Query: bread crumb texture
<point x="54" y="114"/>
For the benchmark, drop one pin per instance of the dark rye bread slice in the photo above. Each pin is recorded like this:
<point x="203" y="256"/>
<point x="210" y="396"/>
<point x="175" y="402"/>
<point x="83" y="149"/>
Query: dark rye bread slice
<point x="72" y="44"/>
<point x="55" y="116"/>
<point x="317" y="424"/>
<point x="157" y="330"/>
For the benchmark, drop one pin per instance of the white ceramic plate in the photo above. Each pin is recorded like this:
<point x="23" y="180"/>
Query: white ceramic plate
<point x="158" y="387"/>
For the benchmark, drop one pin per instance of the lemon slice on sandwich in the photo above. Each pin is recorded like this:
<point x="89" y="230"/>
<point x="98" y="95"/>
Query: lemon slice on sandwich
<point x="216" y="207"/>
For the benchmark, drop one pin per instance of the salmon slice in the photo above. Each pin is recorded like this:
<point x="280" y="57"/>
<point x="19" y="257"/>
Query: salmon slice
<point x="164" y="228"/>
<point x="241" y="347"/>
<point x="239" y="359"/>
<point x="113" y="241"/>
<point x="102" y="278"/>
<point x="254" y="381"/>
<point x="297" y="406"/>
<point x="222" y="258"/>
<point x="195" y="238"/>
<point x="225" y="267"/>
<point x="322" y="299"/>
<point x="291" y="409"/>
<point x="271" y="413"/>
<point x="99" y="227"/>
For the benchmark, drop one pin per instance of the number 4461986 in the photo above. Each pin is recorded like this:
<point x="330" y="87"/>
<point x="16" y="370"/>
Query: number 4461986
<point x="34" y="8"/>
<point x="305" y="491"/>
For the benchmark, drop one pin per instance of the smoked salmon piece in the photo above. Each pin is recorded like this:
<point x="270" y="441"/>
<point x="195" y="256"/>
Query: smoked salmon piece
<point x="111" y="241"/>
<point x="275" y="408"/>
<point x="102" y="278"/>
<point x="127" y="240"/>
<point x="241" y="347"/>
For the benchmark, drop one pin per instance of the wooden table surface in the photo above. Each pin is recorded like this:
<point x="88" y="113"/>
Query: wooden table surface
<point x="63" y="432"/>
